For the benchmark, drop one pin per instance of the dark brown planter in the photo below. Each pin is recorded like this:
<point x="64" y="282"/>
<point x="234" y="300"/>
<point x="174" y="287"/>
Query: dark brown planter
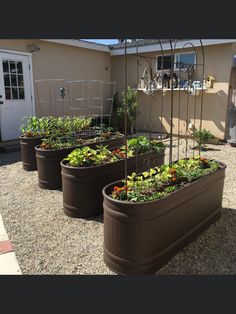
<point x="49" y="169"/>
<point x="28" y="152"/>
<point x="82" y="186"/>
<point x="139" y="238"/>
<point x="48" y="162"/>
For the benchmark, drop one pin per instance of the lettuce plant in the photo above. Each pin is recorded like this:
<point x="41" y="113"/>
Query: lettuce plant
<point x="160" y="181"/>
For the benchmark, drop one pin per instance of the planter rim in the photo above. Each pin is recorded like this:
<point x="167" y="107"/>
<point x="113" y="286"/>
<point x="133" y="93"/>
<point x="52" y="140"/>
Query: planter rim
<point x="31" y="137"/>
<point x="162" y="198"/>
<point x="108" y="163"/>
<point x="74" y="147"/>
<point x="37" y="147"/>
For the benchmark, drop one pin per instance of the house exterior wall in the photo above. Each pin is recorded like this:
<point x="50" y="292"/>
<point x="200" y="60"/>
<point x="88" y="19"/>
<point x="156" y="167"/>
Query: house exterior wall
<point x="55" y="61"/>
<point x="218" y="61"/>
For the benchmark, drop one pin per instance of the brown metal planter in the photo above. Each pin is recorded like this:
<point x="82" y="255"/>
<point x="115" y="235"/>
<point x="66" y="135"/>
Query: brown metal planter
<point x="28" y="152"/>
<point x="82" y="186"/>
<point x="48" y="162"/>
<point x="139" y="238"/>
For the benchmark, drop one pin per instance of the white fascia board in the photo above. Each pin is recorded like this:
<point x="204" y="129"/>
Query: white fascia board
<point x="80" y="44"/>
<point x="166" y="46"/>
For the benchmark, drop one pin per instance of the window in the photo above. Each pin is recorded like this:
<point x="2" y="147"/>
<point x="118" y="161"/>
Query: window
<point x="13" y="79"/>
<point x="184" y="59"/>
<point x="181" y="61"/>
<point x="166" y="62"/>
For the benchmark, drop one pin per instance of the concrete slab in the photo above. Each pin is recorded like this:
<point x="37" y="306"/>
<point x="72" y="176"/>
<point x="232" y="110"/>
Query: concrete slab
<point x="9" y="265"/>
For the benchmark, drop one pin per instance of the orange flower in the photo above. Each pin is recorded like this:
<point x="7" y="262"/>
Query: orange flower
<point x="173" y="179"/>
<point x="172" y="170"/>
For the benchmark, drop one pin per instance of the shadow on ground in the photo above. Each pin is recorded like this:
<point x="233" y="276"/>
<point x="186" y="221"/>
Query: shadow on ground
<point x="9" y="158"/>
<point x="213" y="252"/>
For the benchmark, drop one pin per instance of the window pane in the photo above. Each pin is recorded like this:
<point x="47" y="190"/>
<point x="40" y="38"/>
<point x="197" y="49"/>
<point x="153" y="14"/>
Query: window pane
<point x="8" y="93"/>
<point x="14" y="93"/>
<point x="13" y="80"/>
<point x="19" y="68"/>
<point x="13" y="67"/>
<point x="183" y="60"/>
<point x="7" y="80"/>
<point x="166" y="62"/>
<point x="5" y="66"/>
<point x="20" y="80"/>
<point x="21" y="93"/>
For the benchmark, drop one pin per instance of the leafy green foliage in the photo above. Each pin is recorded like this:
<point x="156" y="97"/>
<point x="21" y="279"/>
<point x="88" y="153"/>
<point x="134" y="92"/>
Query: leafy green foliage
<point x="160" y="181"/>
<point x="142" y="144"/>
<point x="53" y="126"/>
<point x="75" y="140"/>
<point x="129" y="104"/>
<point x="202" y="137"/>
<point x="86" y="156"/>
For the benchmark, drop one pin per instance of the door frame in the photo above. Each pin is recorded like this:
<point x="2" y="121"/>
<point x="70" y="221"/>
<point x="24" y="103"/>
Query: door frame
<point x="23" y="53"/>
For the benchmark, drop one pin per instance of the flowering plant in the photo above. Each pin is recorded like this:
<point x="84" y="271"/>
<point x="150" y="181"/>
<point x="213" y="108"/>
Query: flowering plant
<point x="159" y="181"/>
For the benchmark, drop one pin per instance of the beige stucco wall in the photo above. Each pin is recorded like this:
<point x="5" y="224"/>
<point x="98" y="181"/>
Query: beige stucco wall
<point x="55" y="61"/>
<point x="218" y="60"/>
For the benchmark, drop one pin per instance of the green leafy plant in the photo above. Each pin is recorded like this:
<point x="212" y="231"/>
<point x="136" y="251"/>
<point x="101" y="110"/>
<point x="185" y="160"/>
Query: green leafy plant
<point x="160" y="181"/>
<point x="142" y="144"/>
<point x="129" y="101"/>
<point x="75" y="140"/>
<point x="202" y="137"/>
<point x="53" y="126"/>
<point x="86" y="156"/>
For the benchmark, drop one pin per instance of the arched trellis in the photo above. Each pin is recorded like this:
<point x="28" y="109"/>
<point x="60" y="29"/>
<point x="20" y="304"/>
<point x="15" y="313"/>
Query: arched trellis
<point x="151" y="89"/>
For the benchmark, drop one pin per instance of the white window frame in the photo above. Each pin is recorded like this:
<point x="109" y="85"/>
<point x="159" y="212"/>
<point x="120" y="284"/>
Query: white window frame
<point x="176" y="54"/>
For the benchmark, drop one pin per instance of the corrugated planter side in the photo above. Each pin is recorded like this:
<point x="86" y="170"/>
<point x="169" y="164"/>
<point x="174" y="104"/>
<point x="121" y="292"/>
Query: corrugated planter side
<point x="82" y="186"/>
<point x="28" y="152"/>
<point x="49" y="169"/>
<point x="48" y="162"/>
<point x="139" y="238"/>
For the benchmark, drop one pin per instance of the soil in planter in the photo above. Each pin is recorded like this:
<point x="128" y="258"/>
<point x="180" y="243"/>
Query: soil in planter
<point x="48" y="162"/>
<point x="82" y="186"/>
<point x="139" y="238"/>
<point x="28" y="152"/>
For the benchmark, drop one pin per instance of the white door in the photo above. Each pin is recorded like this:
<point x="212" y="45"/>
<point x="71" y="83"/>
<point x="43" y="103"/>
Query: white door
<point x="15" y="93"/>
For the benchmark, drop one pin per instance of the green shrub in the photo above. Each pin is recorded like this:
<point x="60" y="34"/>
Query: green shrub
<point x="202" y="137"/>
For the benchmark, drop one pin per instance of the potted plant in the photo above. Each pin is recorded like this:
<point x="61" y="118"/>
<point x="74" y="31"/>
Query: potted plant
<point x="52" y="150"/>
<point x="86" y="171"/>
<point x="130" y="101"/>
<point x="34" y="129"/>
<point x="152" y="215"/>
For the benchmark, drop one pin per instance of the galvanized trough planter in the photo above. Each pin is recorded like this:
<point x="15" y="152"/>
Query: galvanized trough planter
<point x="139" y="238"/>
<point x="28" y="152"/>
<point x="82" y="186"/>
<point x="48" y="162"/>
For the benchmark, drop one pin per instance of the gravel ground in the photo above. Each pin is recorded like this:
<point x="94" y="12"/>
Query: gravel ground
<point x="48" y="242"/>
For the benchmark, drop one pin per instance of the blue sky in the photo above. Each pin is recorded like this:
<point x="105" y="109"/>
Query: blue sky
<point x="104" y="41"/>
